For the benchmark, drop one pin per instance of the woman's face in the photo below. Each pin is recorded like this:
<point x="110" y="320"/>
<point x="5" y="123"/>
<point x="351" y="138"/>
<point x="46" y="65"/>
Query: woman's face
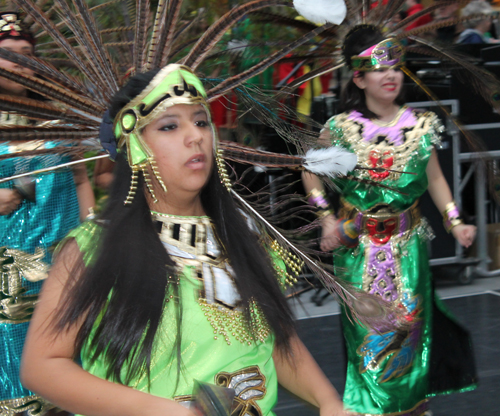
<point x="20" y="46"/>
<point x="383" y="85"/>
<point x="182" y="144"/>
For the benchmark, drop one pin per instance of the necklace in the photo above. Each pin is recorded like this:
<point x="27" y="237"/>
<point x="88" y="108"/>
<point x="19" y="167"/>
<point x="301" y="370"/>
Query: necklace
<point x="192" y="244"/>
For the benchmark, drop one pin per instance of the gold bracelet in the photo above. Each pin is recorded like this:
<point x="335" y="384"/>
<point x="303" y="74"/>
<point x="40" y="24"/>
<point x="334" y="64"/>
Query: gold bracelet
<point x="451" y="216"/>
<point x="323" y="213"/>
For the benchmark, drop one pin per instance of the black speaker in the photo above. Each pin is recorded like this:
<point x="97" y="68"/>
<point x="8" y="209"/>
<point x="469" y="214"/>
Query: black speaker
<point x="473" y="108"/>
<point x="491" y="54"/>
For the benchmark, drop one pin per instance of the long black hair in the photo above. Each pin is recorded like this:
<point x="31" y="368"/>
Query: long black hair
<point x="122" y="294"/>
<point x="352" y="98"/>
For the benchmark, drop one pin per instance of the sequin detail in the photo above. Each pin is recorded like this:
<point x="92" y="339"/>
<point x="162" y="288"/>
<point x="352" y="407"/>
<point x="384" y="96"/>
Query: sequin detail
<point x="32" y="405"/>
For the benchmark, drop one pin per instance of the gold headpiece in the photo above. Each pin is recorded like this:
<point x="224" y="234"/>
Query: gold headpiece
<point x="174" y="84"/>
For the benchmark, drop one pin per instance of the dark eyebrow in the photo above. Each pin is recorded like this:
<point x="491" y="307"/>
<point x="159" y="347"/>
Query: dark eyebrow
<point x="169" y="116"/>
<point x="199" y="112"/>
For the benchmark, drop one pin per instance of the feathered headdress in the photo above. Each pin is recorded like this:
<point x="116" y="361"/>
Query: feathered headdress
<point x="98" y="61"/>
<point x="373" y="21"/>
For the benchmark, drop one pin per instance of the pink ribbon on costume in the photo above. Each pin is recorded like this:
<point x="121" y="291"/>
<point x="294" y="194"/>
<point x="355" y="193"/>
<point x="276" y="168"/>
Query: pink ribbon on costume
<point x="366" y="52"/>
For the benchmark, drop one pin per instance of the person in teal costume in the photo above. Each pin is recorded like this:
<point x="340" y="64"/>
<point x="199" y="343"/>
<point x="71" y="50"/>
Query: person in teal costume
<point x="169" y="285"/>
<point x="29" y="230"/>
<point x="391" y="371"/>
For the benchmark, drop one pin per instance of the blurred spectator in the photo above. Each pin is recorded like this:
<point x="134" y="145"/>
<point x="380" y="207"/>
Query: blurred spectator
<point x="447" y="11"/>
<point x="476" y="29"/>
<point x="414" y="7"/>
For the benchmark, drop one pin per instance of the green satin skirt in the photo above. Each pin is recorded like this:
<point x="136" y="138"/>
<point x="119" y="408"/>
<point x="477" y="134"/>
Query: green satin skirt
<point x="392" y="372"/>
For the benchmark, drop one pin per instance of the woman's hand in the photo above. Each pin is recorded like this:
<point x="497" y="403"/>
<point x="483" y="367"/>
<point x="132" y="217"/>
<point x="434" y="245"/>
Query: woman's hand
<point x="465" y="234"/>
<point x="329" y="238"/>
<point x="9" y="200"/>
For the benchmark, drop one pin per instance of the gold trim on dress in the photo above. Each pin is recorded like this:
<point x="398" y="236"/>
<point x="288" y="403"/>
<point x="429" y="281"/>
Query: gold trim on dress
<point x="15" y="306"/>
<point x="250" y="385"/>
<point x="32" y="405"/>
<point x="393" y="122"/>
<point x="382" y="212"/>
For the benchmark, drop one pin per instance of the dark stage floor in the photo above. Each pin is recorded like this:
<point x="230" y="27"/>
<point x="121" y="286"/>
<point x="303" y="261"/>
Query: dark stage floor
<point x="479" y="313"/>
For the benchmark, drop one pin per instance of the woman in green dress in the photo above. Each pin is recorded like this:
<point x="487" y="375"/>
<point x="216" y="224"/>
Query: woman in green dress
<point x="170" y="285"/>
<point x="391" y="371"/>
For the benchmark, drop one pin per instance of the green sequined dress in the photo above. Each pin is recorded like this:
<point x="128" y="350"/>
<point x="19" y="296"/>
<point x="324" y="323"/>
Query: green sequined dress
<point x="215" y="346"/>
<point x="393" y="372"/>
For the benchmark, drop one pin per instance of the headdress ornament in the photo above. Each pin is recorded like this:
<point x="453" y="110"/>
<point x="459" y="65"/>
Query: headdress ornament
<point x="174" y="84"/>
<point x="11" y="26"/>
<point x="390" y="53"/>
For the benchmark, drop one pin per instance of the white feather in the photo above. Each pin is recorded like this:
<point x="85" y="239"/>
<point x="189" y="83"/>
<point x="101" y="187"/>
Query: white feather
<point x="321" y="11"/>
<point x="332" y="161"/>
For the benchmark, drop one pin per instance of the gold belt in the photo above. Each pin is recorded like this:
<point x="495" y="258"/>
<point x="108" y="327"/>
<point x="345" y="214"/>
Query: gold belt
<point x="382" y="218"/>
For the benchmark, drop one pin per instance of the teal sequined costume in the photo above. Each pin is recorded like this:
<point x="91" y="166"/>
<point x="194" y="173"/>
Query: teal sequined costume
<point x="393" y="372"/>
<point x="27" y="237"/>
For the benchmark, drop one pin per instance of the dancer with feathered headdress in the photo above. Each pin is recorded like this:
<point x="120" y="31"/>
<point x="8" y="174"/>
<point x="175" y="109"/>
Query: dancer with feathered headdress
<point x="379" y="237"/>
<point x="35" y="214"/>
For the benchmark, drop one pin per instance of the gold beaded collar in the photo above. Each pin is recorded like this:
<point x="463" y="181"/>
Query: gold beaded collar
<point x="192" y="242"/>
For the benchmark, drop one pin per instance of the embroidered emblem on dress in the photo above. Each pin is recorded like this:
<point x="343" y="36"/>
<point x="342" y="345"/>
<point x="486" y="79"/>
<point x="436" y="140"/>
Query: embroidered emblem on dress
<point x="402" y="344"/>
<point x="249" y="385"/>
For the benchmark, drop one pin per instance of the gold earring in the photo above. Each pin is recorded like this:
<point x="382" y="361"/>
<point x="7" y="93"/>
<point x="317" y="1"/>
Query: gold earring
<point x="221" y="167"/>
<point x="147" y="179"/>
<point x="133" y="185"/>
<point x="154" y="168"/>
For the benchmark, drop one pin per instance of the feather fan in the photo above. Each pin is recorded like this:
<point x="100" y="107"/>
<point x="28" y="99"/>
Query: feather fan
<point x="230" y="83"/>
<point x="52" y="91"/>
<point x="22" y="133"/>
<point x="42" y="68"/>
<point x="34" y="11"/>
<point x="483" y="82"/>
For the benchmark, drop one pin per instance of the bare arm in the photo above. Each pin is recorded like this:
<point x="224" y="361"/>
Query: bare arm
<point x="103" y="173"/>
<point x="441" y="195"/>
<point x="9" y="201"/>
<point x="84" y="191"/>
<point x="48" y="368"/>
<point x="306" y="380"/>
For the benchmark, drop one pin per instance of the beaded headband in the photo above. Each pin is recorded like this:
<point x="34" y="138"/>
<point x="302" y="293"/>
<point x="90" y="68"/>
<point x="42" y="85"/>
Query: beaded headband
<point x="387" y="54"/>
